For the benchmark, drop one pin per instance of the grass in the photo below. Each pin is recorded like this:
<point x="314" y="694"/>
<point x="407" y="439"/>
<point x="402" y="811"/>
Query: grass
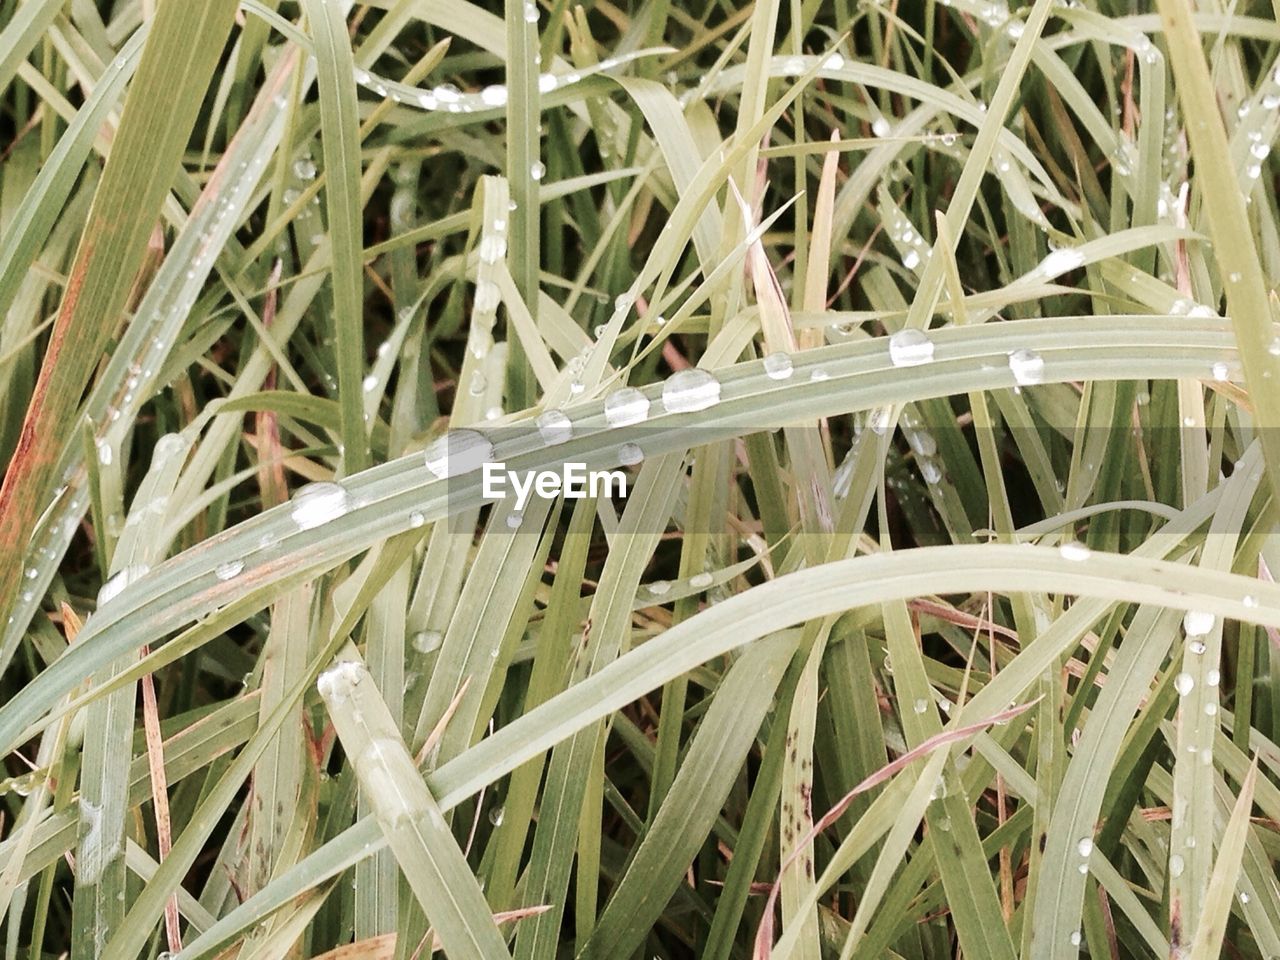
<point x="938" y="619"/>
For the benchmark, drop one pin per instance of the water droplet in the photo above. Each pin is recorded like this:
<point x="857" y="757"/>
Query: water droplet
<point x="495" y="816"/>
<point x="817" y="375"/>
<point x="688" y="390"/>
<point x="921" y="705"/>
<point x="700" y="581"/>
<point x="1084" y="846"/>
<point x="447" y="93"/>
<point x="425" y="641"/>
<point x="1074" y="551"/>
<point x="881" y="128"/>
<point x="530" y="12"/>
<point x="1027" y="367"/>
<point x="457" y="452"/>
<point x="1075" y="938"/>
<point x="488" y="296"/>
<point x="930" y="471"/>
<point x="370" y="383"/>
<point x="1244" y="897"/>
<point x="1184" y="683"/>
<point x="338" y="682"/>
<point x="318" y="503"/>
<point x="1060" y="261"/>
<point x="417" y="519"/>
<point x="538" y="170"/>
<point x="493" y="247"/>
<point x="1219" y="370"/>
<point x="834" y="62"/>
<point x="494" y="95"/>
<point x="1210" y="710"/>
<point x="1212" y="678"/>
<point x="625" y="406"/>
<point x="1196" y="647"/>
<point x="116" y="583"/>
<point x="304" y="169"/>
<point x="659" y="587"/>
<point x="778" y="366"/>
<point x="1176" y="866"/>
<point x="1196" y="623"/>
<point x="229" y="570"/>
<point x="910" y="348"/>
<point x="629" y="454"/>
<point x="1250" y="600"/>
<point x="105" y="454"/>
<point x="911" y="259"/>
<point x="554" y="426"/>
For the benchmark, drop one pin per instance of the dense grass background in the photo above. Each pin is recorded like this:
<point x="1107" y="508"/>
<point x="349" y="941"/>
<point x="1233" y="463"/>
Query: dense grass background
<point x="939" y="619"/>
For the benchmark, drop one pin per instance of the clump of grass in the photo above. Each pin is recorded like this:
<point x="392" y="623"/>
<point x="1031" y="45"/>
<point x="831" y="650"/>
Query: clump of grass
<point x="935" y="341"/>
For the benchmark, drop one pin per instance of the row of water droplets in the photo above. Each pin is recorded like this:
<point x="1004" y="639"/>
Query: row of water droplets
<point x="1258" y="124"/>
<point x="449" y="98"/>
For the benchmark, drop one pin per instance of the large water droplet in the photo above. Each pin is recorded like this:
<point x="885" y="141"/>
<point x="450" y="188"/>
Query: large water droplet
<point x="494" y="96"/>
<point x="910" y="348"/>
<point x="1027" y="367"/>
<point x="1084" y="846"/>
<point x="118" y="581"/>
<point x="554" y="426"/>
<point x="1176" y="866"/>
<point x="457" y="452"/>
<point x="778" y="366"/>
<point x="1196" y="623"/>
<point x="626" y="406"/>
<point x="538" y="170"/>
<point x="318" y="503"/>
<point x="688" y="390"/>
<point x="1184" y="683"/>
<point x="700" y="581"/>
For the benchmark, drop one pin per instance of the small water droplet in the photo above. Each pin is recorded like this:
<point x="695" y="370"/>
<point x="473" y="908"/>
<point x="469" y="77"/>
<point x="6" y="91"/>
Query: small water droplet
<point x="554" y="426"/>
<point x="318" y="503"/>
<point x="1060" y="261"/>
<point x="778" y="366"/>
<point x="457" y="452"/>
<point x="304" y="169"/>
<point x="921" y="705"/>
<point x="1074" y="551"/>
<point x="1184" y="683"/>
<point x="1027" y="367"/>
<point x="1219" y="370"/>
<point x="689" y="390"/>
<point x="880" y="127"/>
<point x="538" y="170"/>
<point x="338" y="682"/>
<point x="530" y="12"/>
<point x="229" y="570"/>
<point x="116" y="583"/>
<point x="1212" y="678"/>
<point x="1176" y="866"/>
<point x="700" y="581"/>
<point x="629" y="454"/>
<point x="625" y="406"/>
<point x="659" y="587"/>
<point x="417" y="519"/>
<point x="425" y="641"/>
<point x="494" y="95"/>
<point x="1196" y="647"/>
<point x="910" y="348"/>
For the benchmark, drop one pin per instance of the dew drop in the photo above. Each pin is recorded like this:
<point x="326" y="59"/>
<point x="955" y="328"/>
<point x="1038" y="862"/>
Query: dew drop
<point x="778" y="366"/>
<point x="1184" y="683"/>
<point x="495" y="816"/>
<point x="494" y="95"/>
<point x="625" y="406"/>
<point x="229" y="570"/>
<point x="1196" y="648"/>
<point x="1196" y="623"/>
<point x="1176" y="866"/>
<point x="920" y="706"/>
<point x="686" y="391"/>
<point x="1084" y="846"/>
<point x="1060" y="261"/>
<point x="105" y="454"/>
<point x="304" y="169"/>
<point x="318" y="503"/>
<point x="338" y="682"/>
<point x="116" y="583"/>
<point x="1027" y="367"/>
<point x="659" y="587"/>
<point x="457" y="452"/>
<point x="629" y="454"/>
<point x="1074" y="551"/>
<point x="881" y="128"/>
<point x="1212" y="678"/>
<point x="700" y="581"/>
<point x="493" y="247"/>
<point x="554" y="426"/>
<point x="1220" y="370"/>
<point x="417" y="519"/>
<point x="530" y="12"/>
<point x="930" y="471"/>
<point x="488" y="296"/>
<point x="538" y="170"/>
<point x="910" y="348"/>
<point x="1075" y="938"/>
<point x="425" y="641"/>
